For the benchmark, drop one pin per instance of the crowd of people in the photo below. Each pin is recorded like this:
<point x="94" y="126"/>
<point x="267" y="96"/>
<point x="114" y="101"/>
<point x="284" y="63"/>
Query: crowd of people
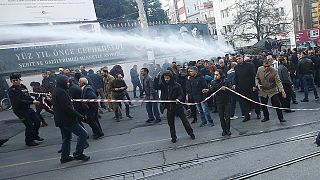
<point x="258" y="77"/>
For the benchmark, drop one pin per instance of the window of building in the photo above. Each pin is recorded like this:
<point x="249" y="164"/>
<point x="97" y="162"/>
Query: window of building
<point x="281" y="11"/>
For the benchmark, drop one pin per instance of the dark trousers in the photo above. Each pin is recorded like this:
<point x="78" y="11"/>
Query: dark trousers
<point x="31" y="121"/>
<point x="171" y="115"/>
<point x="285" y="102"/>
<point x="245" y="107"/>
<point x="93" y="121"/>
<point x="275" y="102"/>
<point x="66" y="133"/>
<point x="135" y="85"/>
<point x="224" y="115"/>
<point x="308" y="81"/>
<point x="233" y="101"/>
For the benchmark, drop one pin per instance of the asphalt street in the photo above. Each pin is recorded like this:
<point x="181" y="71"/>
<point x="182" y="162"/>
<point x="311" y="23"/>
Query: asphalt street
<point x="135" y="145"/>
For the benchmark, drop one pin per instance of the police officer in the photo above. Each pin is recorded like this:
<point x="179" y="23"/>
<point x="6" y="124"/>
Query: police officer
<point x="21" y="101"/>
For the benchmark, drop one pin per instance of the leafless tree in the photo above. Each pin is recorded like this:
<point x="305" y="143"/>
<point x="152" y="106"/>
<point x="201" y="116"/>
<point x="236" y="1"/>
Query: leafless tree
<point x="258" y="19"/>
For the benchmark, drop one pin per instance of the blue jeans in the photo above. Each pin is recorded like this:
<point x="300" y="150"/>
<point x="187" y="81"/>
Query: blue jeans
<point x="66" y="132"/>
<point x="152" y="108"/>
<point x="307" y="80"/>
<point x="204" y="112"/>
<point x="135" y="85"/>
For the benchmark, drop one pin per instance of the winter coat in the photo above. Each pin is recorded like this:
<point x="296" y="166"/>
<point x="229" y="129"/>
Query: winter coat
<point x="222" y="96"/>
<point x="89" y="93"/>
<point x="244" y="78"/>
<point x="64" y="113"/>
<point x="134" y="76"/>
<point x="284" y="74"/>
<point x="269" y="80"/>
<point x="194" y="87"/>
<point x="147" y="84"/>
<point x="20" y="100"/>
<point x="305" y="66"/>
<point x="118" y="94"/>
<point x="169" y="91"/>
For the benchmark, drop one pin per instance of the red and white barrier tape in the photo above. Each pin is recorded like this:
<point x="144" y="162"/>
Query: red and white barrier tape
<point x="315" y="109"/>
<point x="189" y="104"/>
<point x="39" y="93"/>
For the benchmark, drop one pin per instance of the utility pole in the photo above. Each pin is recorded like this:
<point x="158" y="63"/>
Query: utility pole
<point x="144" y="26"/>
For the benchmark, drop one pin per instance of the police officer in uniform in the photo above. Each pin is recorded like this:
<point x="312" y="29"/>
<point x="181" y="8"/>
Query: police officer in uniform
<point x="21" y="101"/>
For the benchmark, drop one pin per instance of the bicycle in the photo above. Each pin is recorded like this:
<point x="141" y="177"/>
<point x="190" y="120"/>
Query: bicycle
<point x="5" y="103"/>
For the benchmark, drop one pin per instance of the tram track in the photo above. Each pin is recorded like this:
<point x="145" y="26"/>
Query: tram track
<point x="175" y="166"/>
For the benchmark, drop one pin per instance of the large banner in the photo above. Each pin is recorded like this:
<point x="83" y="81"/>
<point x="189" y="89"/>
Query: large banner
<point x="45" y="11"/>
<point x="308" y="37"/>
<point x="37" y="58"/>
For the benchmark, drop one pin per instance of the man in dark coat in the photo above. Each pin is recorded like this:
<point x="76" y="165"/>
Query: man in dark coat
<point x="171" y="90"/>
<point x="195" y="85"/>
<point x="118" y="88"/>
<point x="91" y="108"/>
<point x="135" y="81"/>
<point x="21" y="101"/>
<point x="244" y="83"/>
<point x="66" y="118"/>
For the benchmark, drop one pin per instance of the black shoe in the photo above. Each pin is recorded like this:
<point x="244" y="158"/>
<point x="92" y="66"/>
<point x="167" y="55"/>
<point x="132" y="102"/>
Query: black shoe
<point x="295" y="102"/>
<point x="67" y="159"/>
<point x="282" y="120"/>
<point x="39" y="139"/>
<point x="317" y="142"/>
<point x="32" y="143"/>
<point x="203" y="124"/>
<point x="265" y="119"/>
<point x="246" y="119"/>
<point x="305" y="100"/>
<point x="224" y="133"/>
<point x="117" y="119"/>
<point x="258" y="116"/>
<point x="98" y="136"/>
<point x="60" y="151"/>
<point x="173" y="140"/>
<point x="229" y="133"/>
<point x="192" y="136"/>
<point x="81" y="157"/>
<point x="2" y="141"/>
<point x="194" y="121"/>
<point x="135" y="96"/>
<point x="157" y="121"/>
<point x="149" y="120"/>
<point x="130" y="117"/>
<point x="130" y="104"/>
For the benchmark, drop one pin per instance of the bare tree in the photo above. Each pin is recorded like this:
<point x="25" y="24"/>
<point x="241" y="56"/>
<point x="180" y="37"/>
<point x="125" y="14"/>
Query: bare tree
<point x="258" y="19"/>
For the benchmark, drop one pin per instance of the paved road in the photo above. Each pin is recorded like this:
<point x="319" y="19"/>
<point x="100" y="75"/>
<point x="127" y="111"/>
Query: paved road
<point x="133" y="144"/>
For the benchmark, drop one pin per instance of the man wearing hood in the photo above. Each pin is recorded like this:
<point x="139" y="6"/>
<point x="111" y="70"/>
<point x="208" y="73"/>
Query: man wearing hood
<point x="171" y="90"/>
<point x="66" y="118"/>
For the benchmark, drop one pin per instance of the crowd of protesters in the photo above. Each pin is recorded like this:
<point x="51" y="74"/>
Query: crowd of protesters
<point x="274" y="76"/>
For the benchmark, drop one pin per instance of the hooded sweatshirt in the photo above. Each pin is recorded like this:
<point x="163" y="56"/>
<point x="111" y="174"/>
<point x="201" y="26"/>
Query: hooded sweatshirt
<point x="64" y="113"/>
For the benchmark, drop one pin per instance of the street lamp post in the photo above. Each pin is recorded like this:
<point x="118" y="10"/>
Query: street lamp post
<point x="144" y="25"/>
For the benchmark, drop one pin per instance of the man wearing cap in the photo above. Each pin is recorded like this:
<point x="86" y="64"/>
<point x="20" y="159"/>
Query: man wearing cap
<point x="269" y="84"/>
<point x="21" y="101"/>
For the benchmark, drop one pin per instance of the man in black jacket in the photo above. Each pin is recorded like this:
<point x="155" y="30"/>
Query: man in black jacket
<point x="21" y="101"/>
<point x="65" y="118"/>
<point x="118" y="88"/>
<point x="244" y="83"/>
<point x="195" y="85"/>
<point x="171" y="90"/>
<point x="91" y="108"/>
<point x="305" y="69"/>
<point x="223" y="100"/>
<point x="136" y="81"/>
